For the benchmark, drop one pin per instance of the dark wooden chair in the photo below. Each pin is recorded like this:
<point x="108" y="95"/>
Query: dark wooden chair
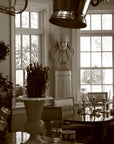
<point x="61" y="109"/>
<point x="99" y="96"/>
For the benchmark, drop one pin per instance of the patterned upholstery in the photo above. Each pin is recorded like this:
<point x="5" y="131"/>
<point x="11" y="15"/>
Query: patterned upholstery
<point x="99" y="97"/>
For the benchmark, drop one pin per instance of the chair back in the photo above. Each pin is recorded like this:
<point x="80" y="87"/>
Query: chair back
<point x="61" y="102"/>
<point x="98" y="95"/>
<point x="68" y="106"/>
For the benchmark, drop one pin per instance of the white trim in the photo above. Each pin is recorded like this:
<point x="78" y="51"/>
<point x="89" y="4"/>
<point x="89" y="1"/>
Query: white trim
<point x="75" y="66"/>
<point x="33" y="31"/>
<point x="13" y="56"/>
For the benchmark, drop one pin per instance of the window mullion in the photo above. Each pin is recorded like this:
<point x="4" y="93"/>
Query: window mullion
<point x="101" y="60"/>
<point x="21" y="51"/>
<point x="30" y="47"/>
<point x="90" y="61"/>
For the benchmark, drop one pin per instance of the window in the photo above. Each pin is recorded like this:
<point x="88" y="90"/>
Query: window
<point x="29" y="43"/>
<point x="96" y="54"/>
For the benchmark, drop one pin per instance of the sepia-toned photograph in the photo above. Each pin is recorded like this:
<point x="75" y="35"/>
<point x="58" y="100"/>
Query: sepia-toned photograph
<point x="56" y="71"/>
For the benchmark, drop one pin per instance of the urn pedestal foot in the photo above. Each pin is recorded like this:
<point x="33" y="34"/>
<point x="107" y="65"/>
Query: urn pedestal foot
<point x="35" y="139"/>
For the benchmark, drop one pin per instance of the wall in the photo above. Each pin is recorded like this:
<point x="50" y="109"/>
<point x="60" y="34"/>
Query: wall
<point x="5" y="36"/>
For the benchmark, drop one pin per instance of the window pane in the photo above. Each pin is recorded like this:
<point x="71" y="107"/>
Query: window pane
<point x="26" y="59"/>
<point x="85" y="77"/>
<point x="96" y="43"/>
<point x="34" y="20"/>
<point x="96" y="76"/>
<point x="85" y="59"/>
<point x="34" y="43"/>
<point x="19" y="77"/>
<point x="96" y="88"/>
<point x="85" y="88"/>
<point x="19" y="82"/>
<point x="25" y="42"/>
<point x="25" y="19"/>
<point x="107" y="59"/>
<point x="107" y="77"/>
<point x="96" y="22"/>
<point x="17" y="20"/>
<point x="109" y="89"/>
<point x="85" y="44"/>
<point x="107" y="21"/>
<point x="96" y="59"/>
<point x="18" y="60"/>
<point x="34" y="57"/>
<point x="107" y="43"/>
<point x="18" y="42"/>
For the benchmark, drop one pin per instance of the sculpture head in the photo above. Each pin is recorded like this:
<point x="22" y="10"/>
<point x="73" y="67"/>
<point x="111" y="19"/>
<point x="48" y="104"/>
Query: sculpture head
<point x="63" y="42"/>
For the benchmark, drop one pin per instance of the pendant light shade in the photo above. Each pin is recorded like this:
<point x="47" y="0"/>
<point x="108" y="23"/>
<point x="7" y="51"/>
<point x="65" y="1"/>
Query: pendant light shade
<point x="70" y="13"/>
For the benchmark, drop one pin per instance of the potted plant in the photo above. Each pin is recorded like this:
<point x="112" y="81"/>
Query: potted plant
<point x="6" y="93"/>
<point x="6" y="86"/>
<point x="37" y="79"/>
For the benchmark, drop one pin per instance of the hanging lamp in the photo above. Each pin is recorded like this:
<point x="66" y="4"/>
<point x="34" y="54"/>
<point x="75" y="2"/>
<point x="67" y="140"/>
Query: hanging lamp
<point x="12" y="7"/>
<point x="71" y="13"/>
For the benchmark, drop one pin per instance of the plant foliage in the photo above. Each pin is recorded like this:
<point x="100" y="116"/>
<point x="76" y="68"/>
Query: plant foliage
<point x="4" y="50"/>
<point x="37" y="78"/>
<point x="6" y="88"/>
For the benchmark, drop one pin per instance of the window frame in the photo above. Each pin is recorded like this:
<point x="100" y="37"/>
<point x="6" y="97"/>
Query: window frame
<point x="46" y="7"/>
<point x="76" y="34"/>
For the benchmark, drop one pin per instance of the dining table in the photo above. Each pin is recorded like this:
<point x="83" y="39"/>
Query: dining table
<point x="99" y="117"/>
<point x="83" y="116"/>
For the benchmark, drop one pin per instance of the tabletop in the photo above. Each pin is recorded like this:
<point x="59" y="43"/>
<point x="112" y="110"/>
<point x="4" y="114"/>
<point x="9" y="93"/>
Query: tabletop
<point x="77" y="113"/>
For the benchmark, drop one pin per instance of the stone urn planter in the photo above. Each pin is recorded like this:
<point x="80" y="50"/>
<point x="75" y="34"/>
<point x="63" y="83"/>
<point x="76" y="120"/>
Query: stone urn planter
<point x="34" y="108"/>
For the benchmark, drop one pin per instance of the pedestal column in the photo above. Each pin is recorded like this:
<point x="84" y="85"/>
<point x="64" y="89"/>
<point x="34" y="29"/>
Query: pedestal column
<point x="63" y="84"/>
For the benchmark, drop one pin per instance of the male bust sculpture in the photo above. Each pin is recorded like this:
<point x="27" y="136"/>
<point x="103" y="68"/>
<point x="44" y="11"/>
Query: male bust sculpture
<point x="62" y="54"/>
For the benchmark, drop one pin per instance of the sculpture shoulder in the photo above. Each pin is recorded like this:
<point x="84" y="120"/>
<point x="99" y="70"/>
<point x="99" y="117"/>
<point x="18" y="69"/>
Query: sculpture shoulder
<point x="70" y="51"/>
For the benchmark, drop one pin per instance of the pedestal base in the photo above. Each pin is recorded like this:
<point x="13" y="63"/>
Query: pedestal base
<point x="35" y="140"/>
<point x="63" y="84"/>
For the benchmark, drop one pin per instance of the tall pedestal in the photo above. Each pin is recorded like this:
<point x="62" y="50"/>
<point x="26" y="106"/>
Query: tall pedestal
<point x="63" y="84"/>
